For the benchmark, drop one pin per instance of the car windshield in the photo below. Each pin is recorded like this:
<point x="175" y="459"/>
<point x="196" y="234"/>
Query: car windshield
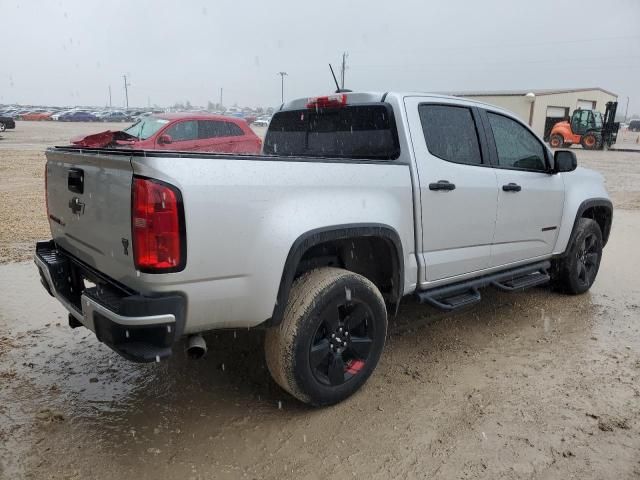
<point x="146" y="127"/>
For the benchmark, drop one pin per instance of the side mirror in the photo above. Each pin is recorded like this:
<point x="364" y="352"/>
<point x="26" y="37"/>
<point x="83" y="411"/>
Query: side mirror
<point x="564" y="161"/>
<point x="165" y="139"/>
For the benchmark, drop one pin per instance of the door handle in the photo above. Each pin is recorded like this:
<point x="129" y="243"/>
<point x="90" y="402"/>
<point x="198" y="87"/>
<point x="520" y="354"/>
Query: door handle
<point x="511" y="187"/>
<point x="442" y="185"/>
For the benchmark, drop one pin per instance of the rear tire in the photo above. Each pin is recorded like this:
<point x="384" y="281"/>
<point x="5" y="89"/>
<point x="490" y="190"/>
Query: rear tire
<point x="556" y="141"/>
<point x="577" y="270"/>
<point x="589" y="141"/>
<point x="330" y="338"/>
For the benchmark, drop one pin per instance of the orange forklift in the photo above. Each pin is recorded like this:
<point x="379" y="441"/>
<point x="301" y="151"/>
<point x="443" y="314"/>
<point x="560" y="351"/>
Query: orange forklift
<point x="588" y="128"/>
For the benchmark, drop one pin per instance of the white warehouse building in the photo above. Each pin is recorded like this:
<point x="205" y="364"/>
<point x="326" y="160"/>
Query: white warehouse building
<point x="541" y="109"/>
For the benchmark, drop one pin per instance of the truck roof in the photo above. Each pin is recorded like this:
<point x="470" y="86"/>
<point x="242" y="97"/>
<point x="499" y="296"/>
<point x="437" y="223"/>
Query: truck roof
<point x="374" y="97"/>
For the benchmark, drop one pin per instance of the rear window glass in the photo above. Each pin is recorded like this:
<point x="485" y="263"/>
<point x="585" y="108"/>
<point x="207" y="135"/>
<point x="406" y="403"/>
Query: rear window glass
<point x="355" y="131"/>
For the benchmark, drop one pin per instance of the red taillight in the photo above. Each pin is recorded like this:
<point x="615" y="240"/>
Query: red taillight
<point x="158" y="233"/>
<point x="329" y="101"/>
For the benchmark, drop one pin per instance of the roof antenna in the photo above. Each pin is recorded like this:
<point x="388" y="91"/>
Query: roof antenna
<point x="338" y="89"/>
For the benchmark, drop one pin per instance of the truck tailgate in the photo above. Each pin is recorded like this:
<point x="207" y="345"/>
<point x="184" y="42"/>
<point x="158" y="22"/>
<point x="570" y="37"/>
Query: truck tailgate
<point x="89" y="207"/>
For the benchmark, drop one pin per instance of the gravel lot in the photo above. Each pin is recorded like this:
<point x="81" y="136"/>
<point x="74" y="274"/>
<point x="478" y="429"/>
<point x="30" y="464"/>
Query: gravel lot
<point x="525" y="385"/>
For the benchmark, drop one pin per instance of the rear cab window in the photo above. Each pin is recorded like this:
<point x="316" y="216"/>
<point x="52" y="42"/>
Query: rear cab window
<point x="359" y="131"/>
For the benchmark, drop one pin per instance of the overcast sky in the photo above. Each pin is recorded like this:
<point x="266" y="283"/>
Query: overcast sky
<point x="68" y="52"/>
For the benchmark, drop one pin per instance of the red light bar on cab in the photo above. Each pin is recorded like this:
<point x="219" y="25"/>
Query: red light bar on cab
<point x="328" y="101"/>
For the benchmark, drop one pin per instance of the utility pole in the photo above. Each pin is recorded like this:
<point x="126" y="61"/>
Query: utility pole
<point x="110" y="105"/>
<point x="282" y="75"/>
<point x="126" y="92"/>
<point x="220" y="97"/>
<point x="626" y="111"/>
<point x="344" y="68"/>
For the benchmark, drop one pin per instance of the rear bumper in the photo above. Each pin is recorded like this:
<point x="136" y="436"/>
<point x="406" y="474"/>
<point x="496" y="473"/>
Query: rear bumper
<point x="140" y="328"/>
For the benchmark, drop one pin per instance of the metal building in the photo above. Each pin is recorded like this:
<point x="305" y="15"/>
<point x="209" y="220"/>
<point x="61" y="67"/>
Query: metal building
<point x="542" y="109"/>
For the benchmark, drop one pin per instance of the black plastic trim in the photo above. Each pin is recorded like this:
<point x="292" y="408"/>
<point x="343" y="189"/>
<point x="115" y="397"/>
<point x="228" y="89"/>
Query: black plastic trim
<point x="221" y="156"/>
<point x="595" y="202"/>
<point x="337" y="232"/>
<point x="434" y="296"/>
<point x="147" y="341"/>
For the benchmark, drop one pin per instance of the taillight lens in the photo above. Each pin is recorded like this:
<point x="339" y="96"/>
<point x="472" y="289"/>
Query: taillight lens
<point x="158" y="226"/>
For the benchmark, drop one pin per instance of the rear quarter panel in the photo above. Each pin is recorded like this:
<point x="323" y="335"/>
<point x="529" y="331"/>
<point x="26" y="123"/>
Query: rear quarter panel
<point x="243" y="214"/>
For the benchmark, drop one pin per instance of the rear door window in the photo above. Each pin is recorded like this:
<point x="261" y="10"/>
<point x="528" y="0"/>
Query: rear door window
<point x="183" y="131"/>
<point x="354" y="131"/>
<point x="450" y="133"/>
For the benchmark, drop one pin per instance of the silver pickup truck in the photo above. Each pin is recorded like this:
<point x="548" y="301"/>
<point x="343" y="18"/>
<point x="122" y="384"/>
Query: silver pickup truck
<point x="357" y="200"/>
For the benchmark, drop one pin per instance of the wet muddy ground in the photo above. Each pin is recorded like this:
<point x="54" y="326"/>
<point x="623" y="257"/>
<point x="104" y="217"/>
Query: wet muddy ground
<point x="526" y="385"/>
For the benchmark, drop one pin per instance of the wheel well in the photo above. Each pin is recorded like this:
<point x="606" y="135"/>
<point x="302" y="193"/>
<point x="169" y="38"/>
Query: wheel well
<point x="371" y="250"/>
<point x="371" y="257"/>
<point x="602" y="215"/>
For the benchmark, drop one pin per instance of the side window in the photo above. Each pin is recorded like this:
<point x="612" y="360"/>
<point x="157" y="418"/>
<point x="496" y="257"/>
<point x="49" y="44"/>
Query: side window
<point x="517" y="147"/>
<point x="211" y="129"/>
<point x="234" y="130"/>
<point x="450" y="133"/>
<point x="183" y="131"/>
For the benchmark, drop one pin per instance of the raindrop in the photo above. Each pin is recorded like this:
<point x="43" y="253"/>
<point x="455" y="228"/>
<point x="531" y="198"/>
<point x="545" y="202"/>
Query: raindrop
<point x="347" y="291"/>
<point x="279" y="404"/>
<point x="157" y="358"/>
<point x="223" y="367"/>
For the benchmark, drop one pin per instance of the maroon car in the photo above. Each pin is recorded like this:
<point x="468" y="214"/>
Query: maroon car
<point x="199" y="132"/>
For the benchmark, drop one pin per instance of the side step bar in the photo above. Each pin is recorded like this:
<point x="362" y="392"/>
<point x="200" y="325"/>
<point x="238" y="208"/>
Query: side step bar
<point x="465" y="293"/>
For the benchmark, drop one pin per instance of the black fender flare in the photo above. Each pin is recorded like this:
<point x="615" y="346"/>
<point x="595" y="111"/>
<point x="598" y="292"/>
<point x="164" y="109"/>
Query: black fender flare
<point x="336" y="232"/>
<point x="590" y="203"/>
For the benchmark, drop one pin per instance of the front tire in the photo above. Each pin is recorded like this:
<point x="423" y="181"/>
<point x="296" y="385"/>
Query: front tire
<point x="577" y="270"/>
<point x="589" y="141"/>
<point x="556" y="141"/>
<point x="330" y="338"/>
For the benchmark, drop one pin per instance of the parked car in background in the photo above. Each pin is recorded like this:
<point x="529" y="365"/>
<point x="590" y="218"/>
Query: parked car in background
<point x="262" y="121"/>
<point x="634" y="126"/>
<point x="6" y="123"/>
<point x="115" y="117"/>
<point x="36" y="116"/>
<point x="200" y="132"/>
<point x="78" y="116"/>
<point x="56" y="116"/>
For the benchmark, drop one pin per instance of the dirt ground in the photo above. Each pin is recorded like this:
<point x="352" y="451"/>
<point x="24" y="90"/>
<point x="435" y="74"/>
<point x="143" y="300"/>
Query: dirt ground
<point x="526" y="385"/>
